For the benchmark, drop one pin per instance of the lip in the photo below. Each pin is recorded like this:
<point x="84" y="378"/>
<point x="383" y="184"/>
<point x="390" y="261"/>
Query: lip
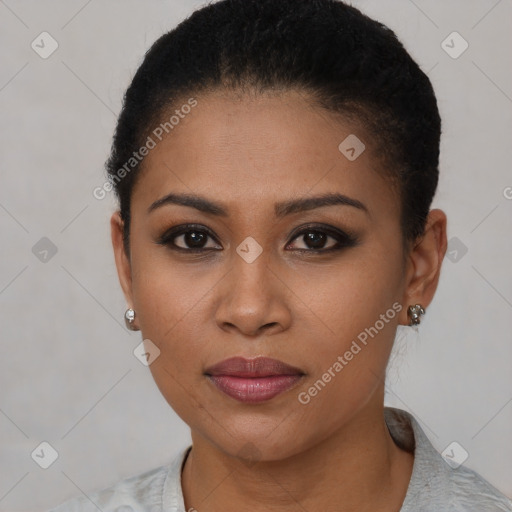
<point x="253" y="380"/>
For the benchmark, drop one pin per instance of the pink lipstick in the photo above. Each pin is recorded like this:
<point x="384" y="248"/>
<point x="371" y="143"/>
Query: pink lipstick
<point x="253" y="380"/>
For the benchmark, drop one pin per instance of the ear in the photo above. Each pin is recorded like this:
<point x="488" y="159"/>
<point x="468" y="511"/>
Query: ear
<point x="424" y="264"/>
<point x="121" y="258"/>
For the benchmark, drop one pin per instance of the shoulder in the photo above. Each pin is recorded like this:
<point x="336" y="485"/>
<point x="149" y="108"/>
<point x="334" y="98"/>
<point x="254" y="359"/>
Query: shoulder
<point x="128" y="495"/>
<point x="438" y="483"/>
<point x="456" y="490"/>
<point x="142" y="492"/>
<point x="470" y="491"/>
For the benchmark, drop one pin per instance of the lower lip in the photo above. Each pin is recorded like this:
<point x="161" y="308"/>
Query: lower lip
<point x="254" y="390"/>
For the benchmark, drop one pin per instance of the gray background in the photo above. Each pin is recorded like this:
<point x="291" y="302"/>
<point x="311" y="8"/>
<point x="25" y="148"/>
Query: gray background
<point x="67" y="372"/>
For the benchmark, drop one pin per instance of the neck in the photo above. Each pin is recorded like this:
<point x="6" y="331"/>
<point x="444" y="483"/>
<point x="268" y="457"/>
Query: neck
<point x="358" y="467"/>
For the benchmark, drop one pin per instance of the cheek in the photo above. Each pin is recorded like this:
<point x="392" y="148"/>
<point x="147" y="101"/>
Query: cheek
<point x="167" y="293"/>
<point x="170" y="308"/>
<point x="170" y="301"/>
<point x="356" y="315"/>
<point x="171" y="316"/>
<point x="343" y="300"/>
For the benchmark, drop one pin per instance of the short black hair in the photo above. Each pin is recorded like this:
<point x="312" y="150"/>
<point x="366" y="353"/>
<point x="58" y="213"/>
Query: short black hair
<point x="347" y="62"/>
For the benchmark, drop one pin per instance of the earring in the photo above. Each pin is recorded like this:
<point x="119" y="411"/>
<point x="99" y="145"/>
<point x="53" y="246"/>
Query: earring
<point x="129" y="318"/>
<point x="414" y="313"/>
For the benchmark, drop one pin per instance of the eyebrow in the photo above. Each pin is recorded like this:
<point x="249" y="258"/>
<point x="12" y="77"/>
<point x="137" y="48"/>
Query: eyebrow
<point x="281" y="209"/>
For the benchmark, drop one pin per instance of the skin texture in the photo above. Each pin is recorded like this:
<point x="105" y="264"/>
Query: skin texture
<point x="335" y="452"/>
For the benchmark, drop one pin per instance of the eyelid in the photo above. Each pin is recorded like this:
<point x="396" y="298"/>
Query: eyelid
<point x="330" y="230"/>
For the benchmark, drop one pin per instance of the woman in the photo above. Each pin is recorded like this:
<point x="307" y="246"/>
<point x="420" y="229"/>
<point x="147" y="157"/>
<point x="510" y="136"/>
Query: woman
<point x="275" y="163"/>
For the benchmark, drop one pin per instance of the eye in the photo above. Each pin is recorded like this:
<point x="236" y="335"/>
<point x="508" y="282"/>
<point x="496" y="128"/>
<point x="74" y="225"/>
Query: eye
<point x="189" y="238"/>
<point x="316" y="239"/>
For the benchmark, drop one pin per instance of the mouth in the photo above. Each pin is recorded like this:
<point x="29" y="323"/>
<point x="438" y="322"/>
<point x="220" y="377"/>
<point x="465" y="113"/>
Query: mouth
<point x="253" y="380"/>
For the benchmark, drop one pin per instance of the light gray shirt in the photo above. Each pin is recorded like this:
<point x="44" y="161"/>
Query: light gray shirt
<point x="435" y="486"/>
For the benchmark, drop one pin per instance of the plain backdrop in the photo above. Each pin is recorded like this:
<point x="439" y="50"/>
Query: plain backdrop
<point x="68" y="375"/>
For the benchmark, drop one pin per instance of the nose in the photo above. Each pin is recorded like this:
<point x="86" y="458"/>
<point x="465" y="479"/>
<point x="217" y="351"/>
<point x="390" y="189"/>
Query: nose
<point x="252" y="299"/>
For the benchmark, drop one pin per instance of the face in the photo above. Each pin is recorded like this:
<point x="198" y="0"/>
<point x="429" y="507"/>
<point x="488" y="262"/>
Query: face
<point x="262" y="267"/>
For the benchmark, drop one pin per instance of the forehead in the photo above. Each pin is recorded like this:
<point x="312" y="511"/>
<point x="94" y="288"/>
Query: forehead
<point x="253" y="151"/>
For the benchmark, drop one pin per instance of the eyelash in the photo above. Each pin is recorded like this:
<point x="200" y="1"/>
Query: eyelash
<point x="343" y="239"/>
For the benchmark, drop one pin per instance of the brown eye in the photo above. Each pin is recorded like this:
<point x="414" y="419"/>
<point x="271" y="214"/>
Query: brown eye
<point x="189" y="239"/>
<point x="315" y="240"/>
<point x="192" y="240"/>
<point x="322" y="240"/>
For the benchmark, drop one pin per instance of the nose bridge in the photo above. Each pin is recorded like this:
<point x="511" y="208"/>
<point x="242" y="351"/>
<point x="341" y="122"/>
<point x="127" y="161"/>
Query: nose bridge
<point x="251" y="254"/>
<point x="250" y="271"/>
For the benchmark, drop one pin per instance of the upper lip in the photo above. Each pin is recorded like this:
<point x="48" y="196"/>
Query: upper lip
<point x="258" y="367"/>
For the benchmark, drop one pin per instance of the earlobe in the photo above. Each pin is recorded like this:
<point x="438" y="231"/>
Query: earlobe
<point x="121" y="259"/>
<point x="424" y="262"/>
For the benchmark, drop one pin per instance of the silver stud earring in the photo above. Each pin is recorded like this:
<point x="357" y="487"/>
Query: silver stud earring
<point x="414" y="313"/>
<point x="129" y="318"/>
